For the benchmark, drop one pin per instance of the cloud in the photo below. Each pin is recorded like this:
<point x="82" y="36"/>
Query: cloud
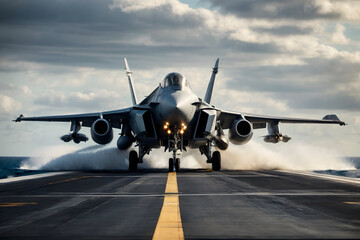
<point x="14" y="89"/>
<point x="8" y="105"/>
<point x="136" y="5"/>
<point x="348" y="10"/>
<point x="155" y="28"/>
<point x="65" y="56"/>
<point x="318" y="84"/>
<point x="293" y="9"/>
<point x="80" y="100"/>
<point x="338" y="36"/>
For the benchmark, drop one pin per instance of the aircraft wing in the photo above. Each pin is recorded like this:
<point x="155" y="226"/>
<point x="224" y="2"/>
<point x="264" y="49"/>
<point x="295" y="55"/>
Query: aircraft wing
<point x="259" y="121"/>
<point x="87" y="118"/>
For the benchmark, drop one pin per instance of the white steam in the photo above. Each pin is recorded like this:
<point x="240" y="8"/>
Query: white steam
<point x="304" y="157"/>
<point x="98" y="157"/>
<point x="252" y="156"/>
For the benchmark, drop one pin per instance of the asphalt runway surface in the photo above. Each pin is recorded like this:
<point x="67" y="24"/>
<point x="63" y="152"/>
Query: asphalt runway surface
<point x="213" y="205"/>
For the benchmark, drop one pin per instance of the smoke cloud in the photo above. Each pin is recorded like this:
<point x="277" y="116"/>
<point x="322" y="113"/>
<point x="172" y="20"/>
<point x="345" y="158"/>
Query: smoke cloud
<point x="252" y="156"/>
<point x="98" y="157"/>
<point x="300" y="157"/>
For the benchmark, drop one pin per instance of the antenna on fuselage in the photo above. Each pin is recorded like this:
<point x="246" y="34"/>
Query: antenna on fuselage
<point x="211" y="82"/>
<point x="131" y="85"/>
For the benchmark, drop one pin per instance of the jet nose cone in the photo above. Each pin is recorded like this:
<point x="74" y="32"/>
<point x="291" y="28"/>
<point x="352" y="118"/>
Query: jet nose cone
<point x="177" y="109"/>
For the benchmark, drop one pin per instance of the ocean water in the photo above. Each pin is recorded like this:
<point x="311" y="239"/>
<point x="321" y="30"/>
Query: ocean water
<point x="346" y="173"/>
<point x="10" y="167"/>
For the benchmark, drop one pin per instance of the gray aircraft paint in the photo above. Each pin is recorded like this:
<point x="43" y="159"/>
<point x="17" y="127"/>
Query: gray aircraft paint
<point x="172" y="116"/>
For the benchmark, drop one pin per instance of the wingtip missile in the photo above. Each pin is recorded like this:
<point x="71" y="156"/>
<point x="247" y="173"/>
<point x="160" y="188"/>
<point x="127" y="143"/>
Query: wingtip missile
<point x="131" y="84"/>
<point x="127" y="69"/>
<point x="211" y="82"/>
<point x="19" y="118"/>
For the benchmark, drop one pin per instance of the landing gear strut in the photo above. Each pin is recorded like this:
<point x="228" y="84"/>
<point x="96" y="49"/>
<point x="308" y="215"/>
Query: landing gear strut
<point x="175" y="143"/>
<point x="215" y="159"/>
<point x="134" y="159"/>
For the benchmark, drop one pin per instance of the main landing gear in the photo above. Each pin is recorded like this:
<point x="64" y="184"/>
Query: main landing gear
<point x="134" y="159"/>
<point x="215" y="159"/>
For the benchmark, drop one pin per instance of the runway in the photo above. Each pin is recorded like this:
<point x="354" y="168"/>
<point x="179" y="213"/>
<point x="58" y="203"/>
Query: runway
<point x="212" y="205"/>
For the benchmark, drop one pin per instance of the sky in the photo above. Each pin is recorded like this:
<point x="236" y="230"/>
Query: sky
<point x="283" y="58"/>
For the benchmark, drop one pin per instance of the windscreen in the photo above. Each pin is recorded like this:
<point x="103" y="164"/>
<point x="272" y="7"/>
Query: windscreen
<point x="175" y="80"/>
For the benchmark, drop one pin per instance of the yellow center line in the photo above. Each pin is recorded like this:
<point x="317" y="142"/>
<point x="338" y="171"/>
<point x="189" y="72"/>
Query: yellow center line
<point x="171" y="184"/>
<point x="69" y="179"/>
<point x="169" y="225"/>
<point x="18" y="204"/>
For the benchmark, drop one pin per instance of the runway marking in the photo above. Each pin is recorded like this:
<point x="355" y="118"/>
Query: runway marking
<point x="354" y="203"/>
<point x="135" y="195"/>
<point x="171" y="184"/>
<point x="228" y="176"/>
<point x="69" y="179"/>
<point x="169" y="225"/>
<point x="16" y="204"/>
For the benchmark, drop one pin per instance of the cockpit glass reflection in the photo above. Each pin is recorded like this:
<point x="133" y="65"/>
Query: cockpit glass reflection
<point x="175" y="80"/>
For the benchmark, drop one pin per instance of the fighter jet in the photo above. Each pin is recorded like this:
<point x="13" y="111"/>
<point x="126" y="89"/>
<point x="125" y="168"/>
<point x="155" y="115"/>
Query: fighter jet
<point x="173" y="117"/>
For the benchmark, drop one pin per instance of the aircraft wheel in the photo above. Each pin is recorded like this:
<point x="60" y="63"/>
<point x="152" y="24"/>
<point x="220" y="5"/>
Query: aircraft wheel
<point x="216" y="161"/>
<point x="133" y="161"/>
<point x="177" y="165"/>
<point x="171" y="165"/>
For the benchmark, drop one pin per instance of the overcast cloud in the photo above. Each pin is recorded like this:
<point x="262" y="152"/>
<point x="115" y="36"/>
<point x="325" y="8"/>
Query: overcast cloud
<point x="288" y="58"/>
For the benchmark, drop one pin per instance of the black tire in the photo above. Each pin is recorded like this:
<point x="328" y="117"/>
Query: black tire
<point x="133" y="161"/>
<point x="171" y="165"/>
<point x="216" y="161"/>
<point x="177" y="165"/>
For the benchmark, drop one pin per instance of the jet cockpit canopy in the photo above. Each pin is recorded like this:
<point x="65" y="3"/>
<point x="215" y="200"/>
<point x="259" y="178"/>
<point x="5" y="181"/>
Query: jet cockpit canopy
<point x="175" y="80"/>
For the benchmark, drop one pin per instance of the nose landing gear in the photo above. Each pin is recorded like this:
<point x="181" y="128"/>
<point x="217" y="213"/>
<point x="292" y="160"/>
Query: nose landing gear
<point x="174" y="165"/>
<point x="175" y="143"/>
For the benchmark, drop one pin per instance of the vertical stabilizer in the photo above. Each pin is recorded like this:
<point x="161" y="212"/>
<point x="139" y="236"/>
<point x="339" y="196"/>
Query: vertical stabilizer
<point x="131" y="84"/>
<point x="211" y="83"/>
